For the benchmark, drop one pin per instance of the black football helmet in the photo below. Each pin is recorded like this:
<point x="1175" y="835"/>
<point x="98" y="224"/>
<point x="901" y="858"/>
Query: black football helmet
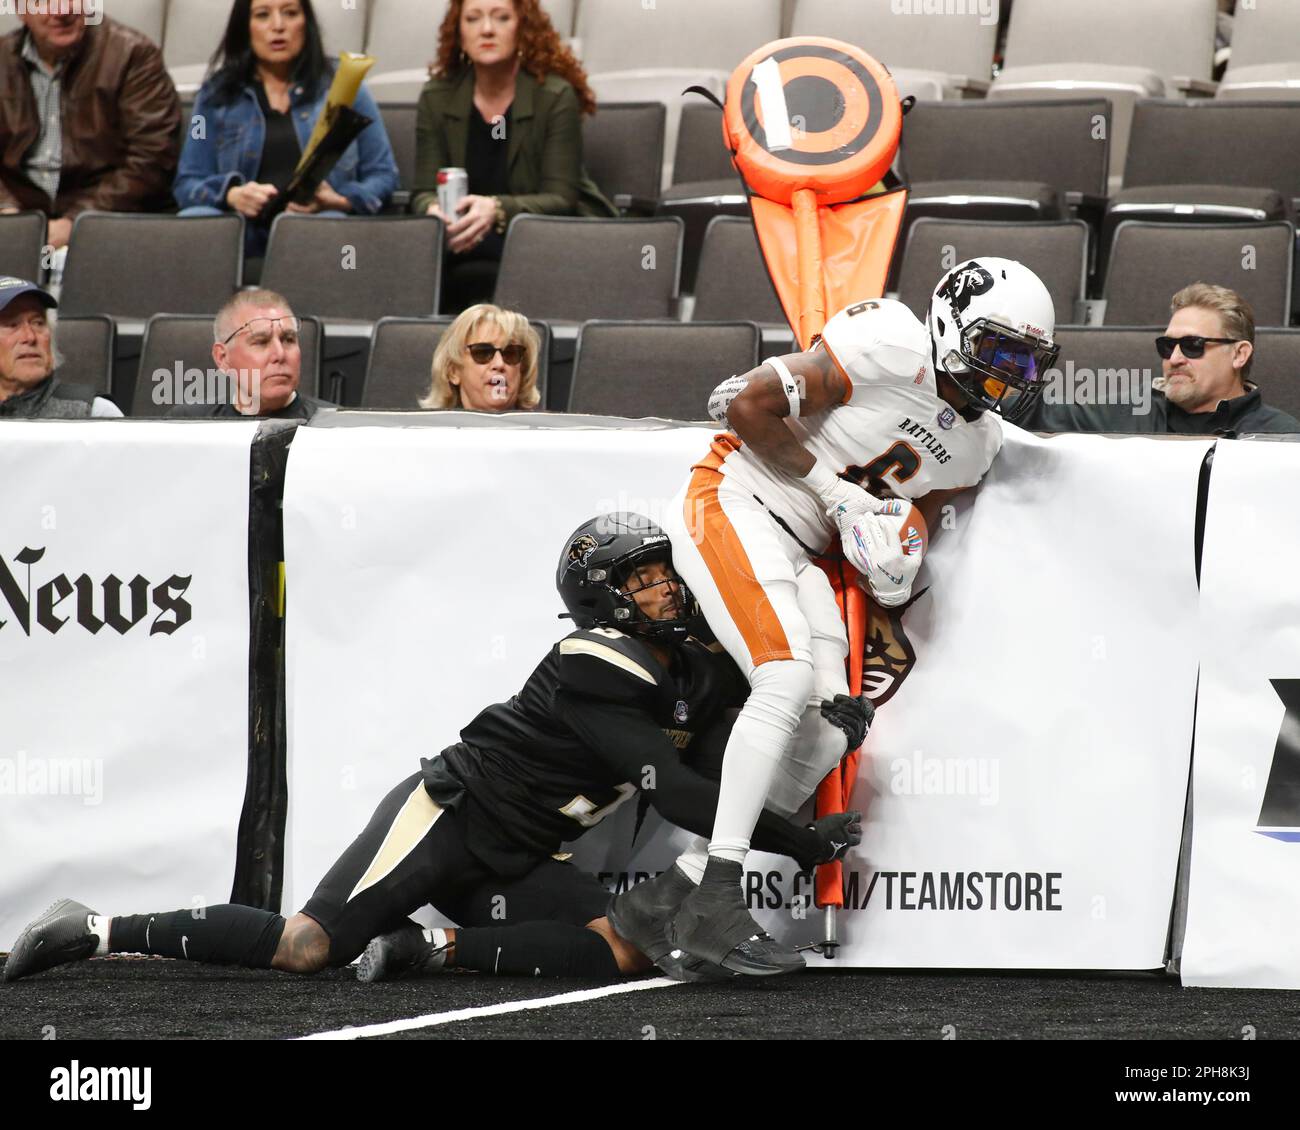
<point x="598" y="558"/>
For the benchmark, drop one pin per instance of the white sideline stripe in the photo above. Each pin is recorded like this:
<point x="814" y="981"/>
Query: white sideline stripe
<point x="434" y="1019"/>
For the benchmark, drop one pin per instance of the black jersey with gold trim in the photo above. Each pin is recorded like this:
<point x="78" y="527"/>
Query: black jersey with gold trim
<point x="576" y="741"/>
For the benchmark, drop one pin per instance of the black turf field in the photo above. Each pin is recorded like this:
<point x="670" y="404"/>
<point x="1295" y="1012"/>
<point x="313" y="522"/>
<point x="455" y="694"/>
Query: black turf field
<point x="151" y="998"/>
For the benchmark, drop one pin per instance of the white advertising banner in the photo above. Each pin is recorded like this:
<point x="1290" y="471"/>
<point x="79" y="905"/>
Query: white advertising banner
<point x="123" y="664"/>
<point x="1243" y="911"/>
<point x="1026" y="775"/>
<point x="420" y="572"/>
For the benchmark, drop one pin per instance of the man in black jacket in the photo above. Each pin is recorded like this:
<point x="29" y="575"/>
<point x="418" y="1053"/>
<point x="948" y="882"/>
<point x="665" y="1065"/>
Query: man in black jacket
<point x="1204" y="387"/>
<point x="616" y="707"/>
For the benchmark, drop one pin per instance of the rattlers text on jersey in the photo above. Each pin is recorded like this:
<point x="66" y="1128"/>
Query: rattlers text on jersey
<point x="893" y="434"/>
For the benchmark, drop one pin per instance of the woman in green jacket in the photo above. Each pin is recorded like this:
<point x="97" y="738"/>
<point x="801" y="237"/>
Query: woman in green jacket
<point x="505" y="105"/>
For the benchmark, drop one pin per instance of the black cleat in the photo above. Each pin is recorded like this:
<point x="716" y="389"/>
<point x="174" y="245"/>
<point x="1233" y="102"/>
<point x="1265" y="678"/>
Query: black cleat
<point x="641" y="913"/>
<point x="714" y="925"/>
<point x="60" y="935"/>
<point x="406" y="952"/>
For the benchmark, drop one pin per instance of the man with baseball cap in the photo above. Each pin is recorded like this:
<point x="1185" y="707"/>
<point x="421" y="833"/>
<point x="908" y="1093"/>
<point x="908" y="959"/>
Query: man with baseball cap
<point x="28" y="387"/>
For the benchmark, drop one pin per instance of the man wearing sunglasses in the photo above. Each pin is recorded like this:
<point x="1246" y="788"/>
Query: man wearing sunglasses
<point x="258" y="357"/>
<point x="1204" y="386"/>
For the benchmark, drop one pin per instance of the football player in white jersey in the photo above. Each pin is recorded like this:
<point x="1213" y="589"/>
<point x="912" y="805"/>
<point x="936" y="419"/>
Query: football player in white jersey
<point x="880" y="406"/>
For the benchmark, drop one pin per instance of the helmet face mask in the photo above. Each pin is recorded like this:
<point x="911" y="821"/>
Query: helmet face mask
<point x="991" y="323"/>
<point x="599" y="561"/>
<point x="1007" y="368"/>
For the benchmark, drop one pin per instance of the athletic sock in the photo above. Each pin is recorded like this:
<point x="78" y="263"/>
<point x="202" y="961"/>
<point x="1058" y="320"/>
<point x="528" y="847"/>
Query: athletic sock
<point x="536" y="949"/>
<point x="754" y="751"/>
<point x="222" y="935"/>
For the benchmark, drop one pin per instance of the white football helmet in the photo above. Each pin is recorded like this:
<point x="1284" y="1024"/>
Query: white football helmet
<point x="992" y="324"/>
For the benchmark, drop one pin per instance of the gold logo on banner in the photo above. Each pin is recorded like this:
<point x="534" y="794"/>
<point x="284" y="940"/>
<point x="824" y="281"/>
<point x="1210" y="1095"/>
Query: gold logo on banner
<point x="888" y="655"/>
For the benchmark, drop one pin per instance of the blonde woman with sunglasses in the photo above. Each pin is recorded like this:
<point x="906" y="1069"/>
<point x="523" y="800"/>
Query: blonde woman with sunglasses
<point x="486" y="361"/>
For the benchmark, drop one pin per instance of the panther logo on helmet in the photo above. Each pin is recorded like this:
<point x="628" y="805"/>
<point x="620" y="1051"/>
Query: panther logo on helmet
<point x="965" y="284"/>
<point x="583" y="547"/>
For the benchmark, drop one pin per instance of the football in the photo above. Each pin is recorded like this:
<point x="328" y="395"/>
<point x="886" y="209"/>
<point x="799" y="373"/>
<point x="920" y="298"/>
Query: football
<point x="912" y="530"/>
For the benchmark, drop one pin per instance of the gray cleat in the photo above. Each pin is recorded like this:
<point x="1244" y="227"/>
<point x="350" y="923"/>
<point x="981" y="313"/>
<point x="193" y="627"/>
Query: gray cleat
<point x="714" y="925"/>
<point x="641" y="913"/>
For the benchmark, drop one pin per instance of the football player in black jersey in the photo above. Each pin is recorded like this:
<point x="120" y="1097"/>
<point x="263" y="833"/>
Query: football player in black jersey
<point x="613" y="708"/>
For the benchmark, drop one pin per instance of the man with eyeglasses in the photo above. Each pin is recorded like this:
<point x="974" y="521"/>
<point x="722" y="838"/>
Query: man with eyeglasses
<point x="258" y="356"/>
<point x="1204" y="386"/>
<point x="29" y="388"/>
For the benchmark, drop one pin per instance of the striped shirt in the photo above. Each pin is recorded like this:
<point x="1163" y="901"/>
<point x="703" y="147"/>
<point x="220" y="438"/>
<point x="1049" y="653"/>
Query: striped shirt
<point x="44" y="161"/>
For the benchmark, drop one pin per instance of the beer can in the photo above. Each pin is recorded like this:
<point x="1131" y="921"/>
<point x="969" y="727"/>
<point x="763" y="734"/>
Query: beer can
<point x="453" y="187"/>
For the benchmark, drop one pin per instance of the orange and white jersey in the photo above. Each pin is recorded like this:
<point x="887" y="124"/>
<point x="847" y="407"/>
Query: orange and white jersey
<point x="892" y="434"/>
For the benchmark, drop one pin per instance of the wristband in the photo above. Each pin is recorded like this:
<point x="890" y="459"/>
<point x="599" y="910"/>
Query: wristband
<point x="825" y="483"/>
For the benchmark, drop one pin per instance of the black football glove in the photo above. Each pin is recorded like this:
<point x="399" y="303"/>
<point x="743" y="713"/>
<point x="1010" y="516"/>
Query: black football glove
<point x="852" y="715"/>
<point x="838" y="833"/>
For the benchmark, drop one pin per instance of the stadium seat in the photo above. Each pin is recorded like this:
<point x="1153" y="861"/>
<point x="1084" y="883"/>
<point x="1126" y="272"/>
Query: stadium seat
<point x="667" y="86"/>
<point x="193" y="32"/>
<point x="1104" y="39"/>
<point x="399" y="124"/>
<point x="1150" y="262"/>
<point x="701" y="153"/>
<point x="403" y="39"/>
<point x="567" y="269"/>
<point x="932" y="57"/>
<point x="1110" y="347"/>
<point x="664" y="369"/>
<point x="1276" y="368"/>
<point x="356" y="268"/>
<point x="733" y="281"/>
<point x="1210" y="160"/>
<point x="1057" y="251"/>
<point x="86" y="345"/>
<point x="623" y="150"/>
<point x="343" y="26"/>
<point x="705" y="183"/>
<point x="147" y="16"/>
<point x="955" y="158"/>
<point x="182" y="266"/>
<point x="561" y="13"/>
<point x="178" y="339"/>
<point x="674" y="33"/>
<point x="1110" y="49"/>
<point x="1265" y="59"/>
<point x="401" y="359"/>
<point x="22" y="241"/>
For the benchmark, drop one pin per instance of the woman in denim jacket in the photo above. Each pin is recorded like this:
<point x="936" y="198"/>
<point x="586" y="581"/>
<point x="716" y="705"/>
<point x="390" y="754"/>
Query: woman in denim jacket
<point x="254" y="114"/>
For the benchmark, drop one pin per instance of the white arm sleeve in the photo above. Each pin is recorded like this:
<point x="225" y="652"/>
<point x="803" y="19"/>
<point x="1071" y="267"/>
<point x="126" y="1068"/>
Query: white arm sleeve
<point x="721" y="397"/>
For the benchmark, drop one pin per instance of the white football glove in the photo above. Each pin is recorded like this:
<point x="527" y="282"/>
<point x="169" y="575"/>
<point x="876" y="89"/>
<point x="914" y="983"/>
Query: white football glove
<point x="873" y="546"/>
<point x="869" y="534"/>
